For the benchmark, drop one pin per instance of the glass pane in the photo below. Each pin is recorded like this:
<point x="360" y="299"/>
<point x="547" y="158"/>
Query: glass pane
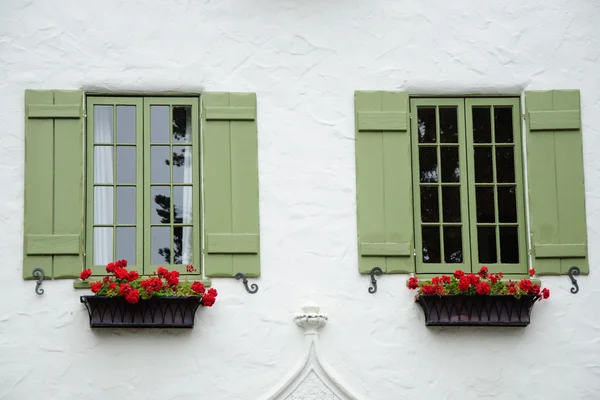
<point x="126" y="166"/>
<point x="159" y="124"/>
<point x="183" y="245"/>
<point x="482" y="128"/>
<point x="126" y="245"/>
<point x="505" y="164"/>
<point x="483" y="165"/>
<point x="161" y="245"/>
<point x="103" y="164"/>
<point x="486" y="241"/>
<point x="484" y="198"/>
<point x="448" y="125"/>
<point x="103" y="205"/>
<point x="509" y="245"/>
<point x="507" y="204"/>
<point x="450" y="166"/>
<point x="182" y="124"/>
<point x="103" y="246"/>
<point x="182" y="212"/>
<point x="126" y="124"/>
<point x="431" y="244"/>
<point x="161" y="205"/>
<point x="453" y="245"/>
<point x="428" y="164"/>
<point x="451" y="203"/>
<point x="503" y="124"/>
<point x="126" y="205"/>
<point x="429" y="204"/>
<point x="182" y="164"/>
<point x="426" y="116"/>
<point x="160" y="161"/>
<point x="103" y="124"/>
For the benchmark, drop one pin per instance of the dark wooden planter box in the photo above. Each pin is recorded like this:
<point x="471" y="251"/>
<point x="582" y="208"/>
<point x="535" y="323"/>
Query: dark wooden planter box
<point x="156" y="312"/>
<point x="475" y="310"/>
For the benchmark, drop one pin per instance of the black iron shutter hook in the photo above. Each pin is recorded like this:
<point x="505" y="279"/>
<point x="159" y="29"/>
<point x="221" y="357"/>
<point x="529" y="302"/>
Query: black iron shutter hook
<point x="254" y="286"/>
<point x="39" y="273"/>
<point x="574" y="271"/>
<point x="375" y="271"/>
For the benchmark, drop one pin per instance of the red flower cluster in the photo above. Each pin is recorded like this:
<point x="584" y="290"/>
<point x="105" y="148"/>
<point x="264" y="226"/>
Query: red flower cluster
<point x="132" y="287"/>
<point x="482" y="283"/>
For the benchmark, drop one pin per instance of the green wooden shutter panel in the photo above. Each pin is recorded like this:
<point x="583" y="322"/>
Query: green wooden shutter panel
<point x="556" y="181"/>
<point x="230" y="160"/>
<point x="53" y="224"/>
<point x="384" y="182"/>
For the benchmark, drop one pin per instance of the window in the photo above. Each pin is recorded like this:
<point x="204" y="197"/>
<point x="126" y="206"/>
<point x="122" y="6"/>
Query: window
<point x="143" y="191"/>
<point x="440" y="183"/>
<point x="467" y="186"/>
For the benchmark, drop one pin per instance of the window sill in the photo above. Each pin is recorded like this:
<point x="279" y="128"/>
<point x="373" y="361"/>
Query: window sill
<point x="79" y="284"/>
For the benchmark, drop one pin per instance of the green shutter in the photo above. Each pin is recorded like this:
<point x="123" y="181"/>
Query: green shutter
<point x="230" y="163"/>
<point x="556" y="182"/>
<point x="384" y="182"/>
<point x="53" y="225"/>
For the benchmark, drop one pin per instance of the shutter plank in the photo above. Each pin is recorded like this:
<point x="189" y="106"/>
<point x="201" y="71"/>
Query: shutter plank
<point x="39" y="176"/>
<point x="230" y="113"/>
<point x="52" y="244"/>
<point x="54" y="111"/>
<point x="554" y="120"/>
<point x="385" y="249"/>
<point x="382" y="121"/>
<point x="68" y="183"/>
<point x="226" y="243"/>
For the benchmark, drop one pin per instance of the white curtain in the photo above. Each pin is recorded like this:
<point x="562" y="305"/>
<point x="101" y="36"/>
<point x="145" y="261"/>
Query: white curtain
<point x="103" y="195"/>
<point x="187" y="245"/>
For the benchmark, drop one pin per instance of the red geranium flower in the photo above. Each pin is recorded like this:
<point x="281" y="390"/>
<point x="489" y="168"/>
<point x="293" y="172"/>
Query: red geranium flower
<point x="428" y="289"/>
<point x="531" y="272"/>
<point x="473" y="279"/>
<point x="213" y="292"/>
<point x="482" y="288"/>
<point x="493" y="278"/>
<point x="525" y="285"/>
<point x="198" y="287"/>
<point x="124" y="289"/>
<point x="190" y="268"/>
<point x="463" y="284"/>
<point x="445" y="279"/>
<point x="110" y="267"/>
<point x="133" y="275"/>
<point x="132" y="296"/>
<point x="121" y="273"/>
<point x="112" y="286"/>
<point x="535" y="290"/>
<point x="458" y="274"/>
<point x="95" y="287"/>
<point x="208" y="300"/>
<point x="483" y="271"/>
<point x="545" y="293"/>
<point x="85" y="274"/>
<point x="413" y="283"/>
<point x="162" y="272"/>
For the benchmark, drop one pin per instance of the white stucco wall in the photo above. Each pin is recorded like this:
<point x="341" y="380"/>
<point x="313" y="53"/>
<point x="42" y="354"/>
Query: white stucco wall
<point x="304" y="59"/>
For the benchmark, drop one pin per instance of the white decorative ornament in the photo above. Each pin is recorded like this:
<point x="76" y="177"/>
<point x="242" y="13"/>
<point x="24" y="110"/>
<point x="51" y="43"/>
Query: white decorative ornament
<point x="312" y="379"/>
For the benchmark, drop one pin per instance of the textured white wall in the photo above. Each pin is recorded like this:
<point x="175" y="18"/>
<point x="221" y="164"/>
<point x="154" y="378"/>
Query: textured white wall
<point x="304" y="59"/>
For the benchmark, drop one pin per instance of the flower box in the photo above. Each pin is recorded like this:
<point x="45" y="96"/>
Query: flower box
<point x="476" y="310"/>
<point x="155" y="312"/>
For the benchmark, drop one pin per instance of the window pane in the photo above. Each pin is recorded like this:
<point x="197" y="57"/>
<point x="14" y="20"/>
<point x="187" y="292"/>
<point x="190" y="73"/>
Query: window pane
<point x="159" y="124"/>
<point x="426" y="117"/>
<point x="486" y="238"/>
<point x="160" y="160"/>
<point x="429" y="204"/>
<point x="160" y="204"/>
<point x="483" y="165"/>
<point x="126" y="166"/>
<point x="451" y="204"/>
<point x="507" y="204"/>
<point x="431" y="244"/>
<point x="482" y="128"/>
<point x="126" y="124"/>
<point x="126" y="205"/>
<point x="126" y="245"/>
<point x="503" y="124"/>
<point x="448" y="125"/>
<point x="161" y="245"/>
<point x="183" y="245"/>
<point x="103" y="124"/>
<point x="450" y="166"/>
<point x="182" y="164"/>
<point x="103" y="246"/>
<point x="182" y="213"/>
<point x="505" y="164"/>
<point x="103" y="164"/>
<point x="453" y="245"/>
<point x="182" y="124"/>
<point x="428" y="164"/>
<point x="509" y="245"/>
<point x="103" y="205"/>
<point x="484" y="199"/>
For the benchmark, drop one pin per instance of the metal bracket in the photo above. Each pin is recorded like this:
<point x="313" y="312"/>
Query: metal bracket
<point x="574" y="271"/>
<point x="38" y="273"/>
<point x="254" y="286"/>
<point x="375" y="271"/>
